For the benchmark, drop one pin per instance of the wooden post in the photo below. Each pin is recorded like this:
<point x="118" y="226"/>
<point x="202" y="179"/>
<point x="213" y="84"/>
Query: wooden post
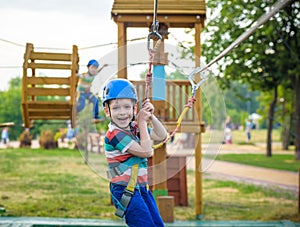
<point x="73" y="84"/>
<point x="198" y="142"/>
<point x="160" y="171"/>
<point x="122" y="50"/>
<point x="165" y="205"/>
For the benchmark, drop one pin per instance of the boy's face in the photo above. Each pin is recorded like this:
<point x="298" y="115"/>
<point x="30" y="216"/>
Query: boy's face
<point x="92" y="70"/>
<point x="121" y="111"/>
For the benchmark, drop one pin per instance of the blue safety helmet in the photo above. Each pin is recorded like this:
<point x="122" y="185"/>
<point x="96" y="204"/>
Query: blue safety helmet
<point x="93" y="62"/>
<point x="118" y="89"/>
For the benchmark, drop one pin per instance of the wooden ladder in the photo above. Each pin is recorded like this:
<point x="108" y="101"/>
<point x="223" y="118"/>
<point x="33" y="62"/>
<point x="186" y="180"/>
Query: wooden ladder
<point x="45" y="97"/>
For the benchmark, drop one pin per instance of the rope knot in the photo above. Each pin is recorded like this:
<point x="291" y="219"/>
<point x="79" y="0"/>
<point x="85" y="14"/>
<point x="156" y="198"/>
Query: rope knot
<point x="191" y="102"/>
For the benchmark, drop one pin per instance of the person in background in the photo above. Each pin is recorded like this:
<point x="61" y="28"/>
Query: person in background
<point x="248" y="129"/>
<point x="84" y="88"/>
<point x="4" y="135"/>
<point x="228" y="131"/>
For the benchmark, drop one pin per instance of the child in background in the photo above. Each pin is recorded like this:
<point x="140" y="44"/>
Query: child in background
<point x="127" y="146"/>
<point x="84" y="88"/>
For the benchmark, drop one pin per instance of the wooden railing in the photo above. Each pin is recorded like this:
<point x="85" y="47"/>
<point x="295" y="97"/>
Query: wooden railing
<point x="177" y="94"/>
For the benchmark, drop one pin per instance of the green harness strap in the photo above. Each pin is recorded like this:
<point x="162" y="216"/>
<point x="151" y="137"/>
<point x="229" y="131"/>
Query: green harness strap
<point x="128" y="192"/>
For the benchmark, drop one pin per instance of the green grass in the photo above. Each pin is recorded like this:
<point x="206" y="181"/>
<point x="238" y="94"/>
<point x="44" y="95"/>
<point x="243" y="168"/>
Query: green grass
<point x="277" y="161"/>
<point x="239" y="136"/>
<point x="57" y="183"/>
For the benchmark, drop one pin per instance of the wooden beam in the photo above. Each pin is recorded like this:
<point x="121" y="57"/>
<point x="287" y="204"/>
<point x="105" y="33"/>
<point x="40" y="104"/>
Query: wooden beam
<point x="34" y="65"/>
<point x="198" y="139"/>
<point x="131" y="19"/>
<point x="48" y="91"/>
<point x="50" y="117"/>
<point x="50" y="56"/>
<point x="45" y="113"/>
<point x="49" y="105"/>
<point x="122" y="50"/>
<point x="49" y="80"/>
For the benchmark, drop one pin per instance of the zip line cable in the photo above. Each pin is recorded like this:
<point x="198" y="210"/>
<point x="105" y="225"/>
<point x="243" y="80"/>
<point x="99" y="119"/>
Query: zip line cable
<point x="204" y="76"/>
<point x="82" y="48"/>
<point x="263" y="19"/>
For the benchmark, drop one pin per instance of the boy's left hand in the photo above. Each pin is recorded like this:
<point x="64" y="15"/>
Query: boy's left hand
<point x="147" y="105"/>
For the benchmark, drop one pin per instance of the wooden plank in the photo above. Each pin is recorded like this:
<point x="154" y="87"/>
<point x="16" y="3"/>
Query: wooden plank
<point x="48" y="80"/>
<point x="50" y="56"/>
<point x="52" y="117"/>
<point x="49" y="105"/>
<point x="166" y="18"/>
<point x="48" y="66"/>
<point x="48" y="91"/>
<point x="53" y="113"/>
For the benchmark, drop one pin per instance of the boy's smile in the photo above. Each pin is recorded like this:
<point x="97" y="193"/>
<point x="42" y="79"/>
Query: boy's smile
<point x="121" y="112"/>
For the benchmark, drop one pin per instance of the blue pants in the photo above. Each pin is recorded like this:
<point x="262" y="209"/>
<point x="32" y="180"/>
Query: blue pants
<point x="92" y="99"/>
<point x="142" y="209"/>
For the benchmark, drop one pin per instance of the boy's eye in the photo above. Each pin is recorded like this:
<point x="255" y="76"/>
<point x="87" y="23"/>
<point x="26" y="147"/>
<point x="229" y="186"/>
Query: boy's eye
<point x="115" y="107"/>
<point x="127" y="107"/>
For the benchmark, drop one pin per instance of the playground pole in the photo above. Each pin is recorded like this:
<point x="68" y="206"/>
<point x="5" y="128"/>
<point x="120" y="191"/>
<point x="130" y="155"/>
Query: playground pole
<point x="198" y="142"/>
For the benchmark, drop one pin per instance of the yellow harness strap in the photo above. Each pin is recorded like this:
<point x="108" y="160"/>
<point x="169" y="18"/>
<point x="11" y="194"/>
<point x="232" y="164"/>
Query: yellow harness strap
<point x="134" y="174"/>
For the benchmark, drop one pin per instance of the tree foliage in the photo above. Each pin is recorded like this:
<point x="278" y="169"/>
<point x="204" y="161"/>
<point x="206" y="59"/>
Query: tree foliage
<point x="267" y="59"/>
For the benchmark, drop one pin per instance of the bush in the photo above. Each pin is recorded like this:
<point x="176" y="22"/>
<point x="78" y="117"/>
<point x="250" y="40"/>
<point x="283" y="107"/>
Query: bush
<point x="25" y="139"/>
<point x="47" y="140"/>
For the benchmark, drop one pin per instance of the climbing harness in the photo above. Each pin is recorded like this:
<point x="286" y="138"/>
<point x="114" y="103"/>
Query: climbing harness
<point x="128" y="192"/>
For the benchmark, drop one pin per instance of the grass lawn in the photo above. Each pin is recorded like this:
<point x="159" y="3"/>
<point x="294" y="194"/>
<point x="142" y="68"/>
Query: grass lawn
<point x="57" y="183"/>
<point x="277" y="161"/>
<point x="239" y="136"/>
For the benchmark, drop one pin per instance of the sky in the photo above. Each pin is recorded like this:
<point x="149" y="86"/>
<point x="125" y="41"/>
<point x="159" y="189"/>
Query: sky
<point x="57" y="24"/>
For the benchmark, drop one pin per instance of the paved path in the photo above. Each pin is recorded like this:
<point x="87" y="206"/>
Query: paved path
<point x="240" y="172"/>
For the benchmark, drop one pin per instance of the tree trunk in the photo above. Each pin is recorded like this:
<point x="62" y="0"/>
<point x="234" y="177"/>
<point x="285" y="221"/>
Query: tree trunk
<point x="270" y="122"/>
<point x="286" y="131"/>
<point x="297" y="117"/>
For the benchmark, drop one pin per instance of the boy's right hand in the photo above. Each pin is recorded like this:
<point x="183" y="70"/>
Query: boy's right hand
<point x="143" y="115"/>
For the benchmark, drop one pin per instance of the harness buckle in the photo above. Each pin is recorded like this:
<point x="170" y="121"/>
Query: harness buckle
<point x="125" y="199"/>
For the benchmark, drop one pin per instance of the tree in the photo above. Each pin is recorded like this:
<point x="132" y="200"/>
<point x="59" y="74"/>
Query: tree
<point x="266" y="59"/>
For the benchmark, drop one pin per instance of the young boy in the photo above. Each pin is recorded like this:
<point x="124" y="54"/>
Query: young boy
<point x="127" y="146"/>
<point x="84" y="88"/>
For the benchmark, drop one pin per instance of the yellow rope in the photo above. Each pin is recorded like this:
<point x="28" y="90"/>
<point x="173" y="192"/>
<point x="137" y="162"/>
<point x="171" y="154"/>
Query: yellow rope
<point x="186" y="108"/>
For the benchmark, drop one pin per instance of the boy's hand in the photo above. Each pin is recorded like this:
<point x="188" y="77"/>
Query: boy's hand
<point x="147" y="105"/>
<point x="143" y="115"/>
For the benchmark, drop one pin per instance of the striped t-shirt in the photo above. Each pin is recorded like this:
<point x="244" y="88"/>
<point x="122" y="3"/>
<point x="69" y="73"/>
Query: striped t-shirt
<point x="116" y="143"/>
<point x="85" y="82"/>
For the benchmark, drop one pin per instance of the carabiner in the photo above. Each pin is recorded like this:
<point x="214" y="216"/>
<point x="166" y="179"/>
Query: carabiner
<point x="151" y="35"/>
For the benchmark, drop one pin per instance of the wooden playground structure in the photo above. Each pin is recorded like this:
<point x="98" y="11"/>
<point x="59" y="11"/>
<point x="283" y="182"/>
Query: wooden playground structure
<point x="170" y="14"/>
<point x="53" y="98"/>
<point x="49" y="98"/>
